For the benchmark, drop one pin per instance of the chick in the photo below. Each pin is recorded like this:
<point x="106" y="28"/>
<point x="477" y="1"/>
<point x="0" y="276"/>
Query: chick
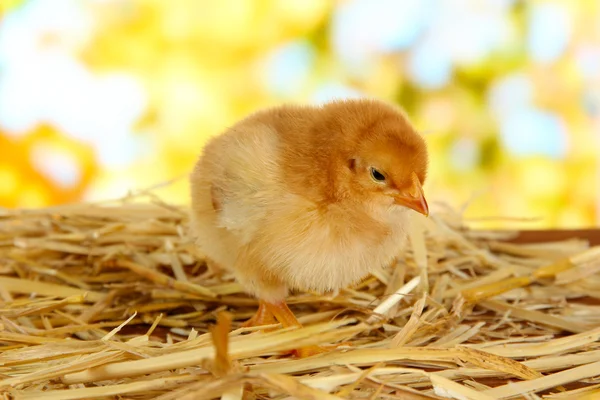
<point x="310" y="198"/>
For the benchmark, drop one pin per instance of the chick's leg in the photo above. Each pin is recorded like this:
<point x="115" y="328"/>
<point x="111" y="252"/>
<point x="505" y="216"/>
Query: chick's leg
<point x="286" y="317"/>
<point x="263" y="316"/>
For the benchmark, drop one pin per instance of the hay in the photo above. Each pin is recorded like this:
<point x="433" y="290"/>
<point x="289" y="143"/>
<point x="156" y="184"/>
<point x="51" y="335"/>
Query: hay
<point x="114" y="301"/>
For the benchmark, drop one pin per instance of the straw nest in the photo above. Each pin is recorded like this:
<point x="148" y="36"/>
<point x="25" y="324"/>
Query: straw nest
<point x="113" y="301"/>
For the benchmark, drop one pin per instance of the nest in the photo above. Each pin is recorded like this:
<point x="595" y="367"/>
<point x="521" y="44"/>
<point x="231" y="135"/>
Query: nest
<point x="114" y="301"/>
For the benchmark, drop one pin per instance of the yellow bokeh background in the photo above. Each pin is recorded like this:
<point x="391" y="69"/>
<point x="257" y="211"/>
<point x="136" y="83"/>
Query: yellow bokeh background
<point x="201" y="65"/>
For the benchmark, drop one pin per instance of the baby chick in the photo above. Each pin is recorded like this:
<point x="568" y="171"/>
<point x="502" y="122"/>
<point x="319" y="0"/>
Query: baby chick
<point x="308" y="198"/>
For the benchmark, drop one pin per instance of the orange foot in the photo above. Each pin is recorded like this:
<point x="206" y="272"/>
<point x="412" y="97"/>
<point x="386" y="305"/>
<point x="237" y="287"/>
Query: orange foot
<point x="271" y="313"/>
<point x="262" y="317"/>
<point x="309" y="351"/>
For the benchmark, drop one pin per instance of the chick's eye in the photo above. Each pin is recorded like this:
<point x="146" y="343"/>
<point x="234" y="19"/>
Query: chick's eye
<point x="377" y="176"/>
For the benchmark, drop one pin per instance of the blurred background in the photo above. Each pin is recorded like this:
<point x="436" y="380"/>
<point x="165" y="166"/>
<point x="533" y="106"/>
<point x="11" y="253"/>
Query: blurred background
<point x="101" y="97"/>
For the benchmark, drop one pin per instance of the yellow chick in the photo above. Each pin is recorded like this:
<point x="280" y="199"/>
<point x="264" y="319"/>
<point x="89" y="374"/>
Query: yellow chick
<point x="310" y="198"/>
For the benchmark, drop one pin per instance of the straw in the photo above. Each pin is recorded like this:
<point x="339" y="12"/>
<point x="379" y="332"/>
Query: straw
<point x="113" y="301"/>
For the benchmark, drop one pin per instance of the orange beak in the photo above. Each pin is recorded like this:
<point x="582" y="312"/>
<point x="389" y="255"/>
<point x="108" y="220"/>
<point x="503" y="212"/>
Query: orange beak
<point x="414" y="198"/>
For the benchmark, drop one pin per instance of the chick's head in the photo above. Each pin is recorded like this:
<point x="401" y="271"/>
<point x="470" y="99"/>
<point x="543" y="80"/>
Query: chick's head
<point x="385" y="158"/>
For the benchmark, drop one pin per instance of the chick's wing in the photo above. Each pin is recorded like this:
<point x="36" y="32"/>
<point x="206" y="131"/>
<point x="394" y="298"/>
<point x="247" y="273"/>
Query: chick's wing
<point x="244" y="178"/>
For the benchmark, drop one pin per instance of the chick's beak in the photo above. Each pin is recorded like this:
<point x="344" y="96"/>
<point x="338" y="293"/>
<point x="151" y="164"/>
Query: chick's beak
<point x="414" y="197"/>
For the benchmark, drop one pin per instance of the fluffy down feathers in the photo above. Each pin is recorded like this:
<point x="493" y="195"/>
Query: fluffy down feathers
<point x="292" y="197"/>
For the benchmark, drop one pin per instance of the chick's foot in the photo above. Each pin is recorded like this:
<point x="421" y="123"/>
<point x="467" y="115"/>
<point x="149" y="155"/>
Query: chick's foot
<point x="283" y="314"/>
<point x="309" y="351"/>
<point x="262" y="317"/>
<point x="286" y="317"/>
